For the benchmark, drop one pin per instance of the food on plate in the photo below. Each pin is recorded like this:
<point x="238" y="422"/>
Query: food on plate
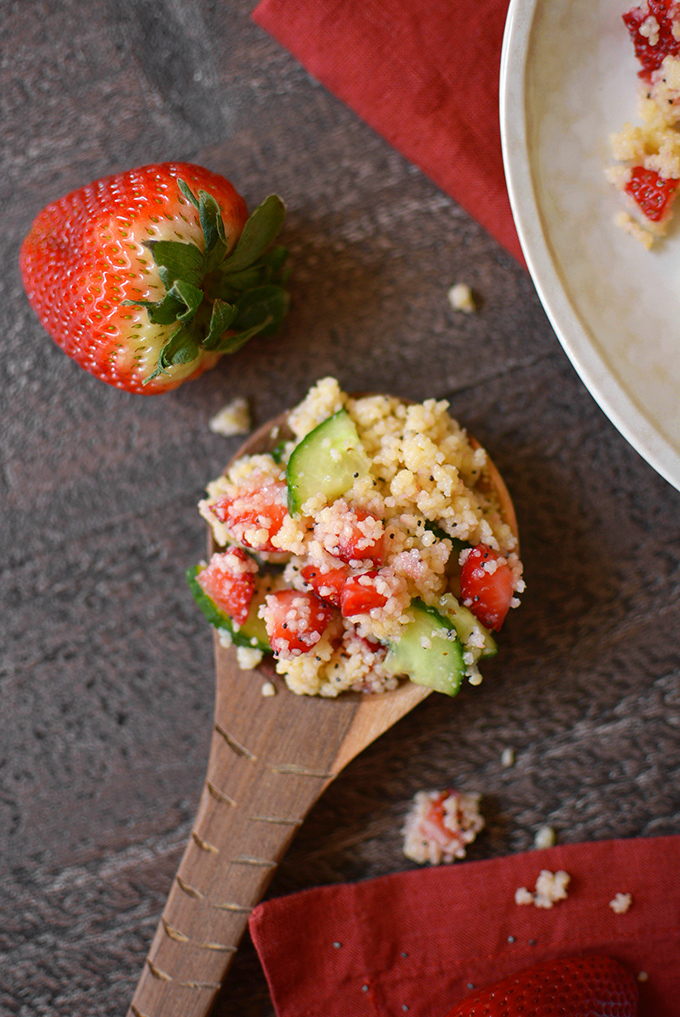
<point x="147" y="277"/>
<point x="598" y="986"/>
<point x="440" y="825"/>
<point x="367" y="546"/>
<point x="648" y="155"/>
<point x="551" y="887"/>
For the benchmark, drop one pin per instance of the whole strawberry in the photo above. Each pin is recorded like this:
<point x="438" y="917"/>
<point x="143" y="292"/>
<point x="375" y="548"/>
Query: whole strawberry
<point x="147" y="277"/>
<point x="570" y="987"/>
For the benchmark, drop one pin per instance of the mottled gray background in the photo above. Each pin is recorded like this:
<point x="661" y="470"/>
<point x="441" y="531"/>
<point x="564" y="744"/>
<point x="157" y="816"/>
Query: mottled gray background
<point x="106" y="681"/>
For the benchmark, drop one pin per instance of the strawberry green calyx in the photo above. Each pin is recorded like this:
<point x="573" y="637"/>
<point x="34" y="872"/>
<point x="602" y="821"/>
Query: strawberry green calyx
<point x="219" y="298"/>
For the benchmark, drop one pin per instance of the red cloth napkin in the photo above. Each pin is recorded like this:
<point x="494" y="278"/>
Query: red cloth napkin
<point x="411" y="943"/>
<point x="424" y="74"/>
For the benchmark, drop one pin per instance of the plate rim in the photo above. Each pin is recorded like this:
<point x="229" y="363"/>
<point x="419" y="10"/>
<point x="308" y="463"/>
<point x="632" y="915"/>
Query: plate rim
<point x="598" y="377"/>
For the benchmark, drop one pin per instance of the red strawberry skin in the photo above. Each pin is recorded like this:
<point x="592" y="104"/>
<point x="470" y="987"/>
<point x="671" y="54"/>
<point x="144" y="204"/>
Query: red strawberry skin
<point x="569" y="987"/>
<point x="85" y="255"/>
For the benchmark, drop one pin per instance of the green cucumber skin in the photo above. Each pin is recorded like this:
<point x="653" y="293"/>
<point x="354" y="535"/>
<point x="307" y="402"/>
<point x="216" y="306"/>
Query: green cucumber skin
<point x="221" y="620"/>
<point x="407" y="657"/>
<point x="308" y="459"/>
<point x="463" y="620"/>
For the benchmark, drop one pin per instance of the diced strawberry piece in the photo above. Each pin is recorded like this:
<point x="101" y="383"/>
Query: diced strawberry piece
<point x="295" y="621"/>
<point x="435" y="813"/>
<point x="598" y="986"/>
<point x="254" y="514"/>
<point x="653" y="193"/>
<point x="229" y="581"/>
<point x="359" y="539"/>
<point x="651" y="28"/>
<point x="326" y="584"/>
<point x="487" y="585"/>
<point x="359" y="595"/>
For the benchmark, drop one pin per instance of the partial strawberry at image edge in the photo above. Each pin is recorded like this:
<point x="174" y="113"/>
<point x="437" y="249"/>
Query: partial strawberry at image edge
<point x="595" y="986"/>
<point x="147" y="277"/>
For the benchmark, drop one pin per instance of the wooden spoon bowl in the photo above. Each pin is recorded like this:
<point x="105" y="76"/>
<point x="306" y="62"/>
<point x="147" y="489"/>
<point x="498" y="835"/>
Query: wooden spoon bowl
<point x="270" y="760"/>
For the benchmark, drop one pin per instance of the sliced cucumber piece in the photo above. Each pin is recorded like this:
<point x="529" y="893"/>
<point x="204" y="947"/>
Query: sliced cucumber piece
<point x="465" y="623"/>
<point x="327" y="461"/>
<point x="429" y="651"/>
<point x="252" y="633"/>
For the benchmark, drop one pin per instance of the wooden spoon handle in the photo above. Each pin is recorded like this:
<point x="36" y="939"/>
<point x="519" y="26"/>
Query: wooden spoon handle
<point x="247" y="816"/>
<point x="269" y="762"/>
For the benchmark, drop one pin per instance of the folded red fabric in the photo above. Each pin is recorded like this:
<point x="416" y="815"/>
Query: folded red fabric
<point x="414" y="942"/>
<point x="424" y="74"/>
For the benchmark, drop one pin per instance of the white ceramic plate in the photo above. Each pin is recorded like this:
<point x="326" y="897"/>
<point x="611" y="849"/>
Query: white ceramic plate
<point x="568" y="79"/>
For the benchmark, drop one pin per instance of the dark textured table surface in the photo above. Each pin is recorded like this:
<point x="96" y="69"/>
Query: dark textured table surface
<point x="106" y="685"/>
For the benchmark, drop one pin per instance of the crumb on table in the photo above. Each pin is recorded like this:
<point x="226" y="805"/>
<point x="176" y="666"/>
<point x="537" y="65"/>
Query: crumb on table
<point x="440" y="825"/>
<point x="508" y="757"/>
<point x="545" y="837"/>
<point x="461" y="298"/>
<point x="234" y="418"/>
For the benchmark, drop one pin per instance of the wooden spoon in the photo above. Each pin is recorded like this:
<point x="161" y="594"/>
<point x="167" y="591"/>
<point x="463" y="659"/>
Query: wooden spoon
<point x="270" y="760"/>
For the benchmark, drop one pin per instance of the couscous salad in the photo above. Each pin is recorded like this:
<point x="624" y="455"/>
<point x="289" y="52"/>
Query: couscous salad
<point x="367" y="547"/>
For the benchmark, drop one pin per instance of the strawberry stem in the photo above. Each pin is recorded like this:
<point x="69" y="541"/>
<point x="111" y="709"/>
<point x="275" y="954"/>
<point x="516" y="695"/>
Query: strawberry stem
<point x="219" y="298"/>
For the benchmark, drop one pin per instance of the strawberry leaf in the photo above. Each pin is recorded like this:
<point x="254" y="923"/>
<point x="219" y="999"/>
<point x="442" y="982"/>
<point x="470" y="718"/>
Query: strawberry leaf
<point x="176" y="260"/>
<point x="180" y="303"/>
<point x="236" y="282"/>
<point x="275" y="261"/>
<point x="161" y="312"/>
<point x="259" y="231"/>
<point x="270" y="268"/>
<point x="222" y="316"/>
<point x="266" y="305"/>
<point x="238" y="339"/>
<point x="191" y="297"/>
<point x="181" y="348"/>
<point x="187" y="192"/>
<point x="212" y="226"/>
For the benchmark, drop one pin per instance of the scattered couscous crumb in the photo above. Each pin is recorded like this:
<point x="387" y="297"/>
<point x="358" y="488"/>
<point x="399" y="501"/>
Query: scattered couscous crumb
<point x="232" y="419"/>
<point x="247" y="657"/>
<point x="620" y="903"/>
<point x="550" y="888"/>
<point x="545" y="838"/>
<point x="508" y="757"/>
<point x="268" y="689"/>
<point x="461" y="298"/>
<point x="440" y="825"/>
<point x="642" y="976"/>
